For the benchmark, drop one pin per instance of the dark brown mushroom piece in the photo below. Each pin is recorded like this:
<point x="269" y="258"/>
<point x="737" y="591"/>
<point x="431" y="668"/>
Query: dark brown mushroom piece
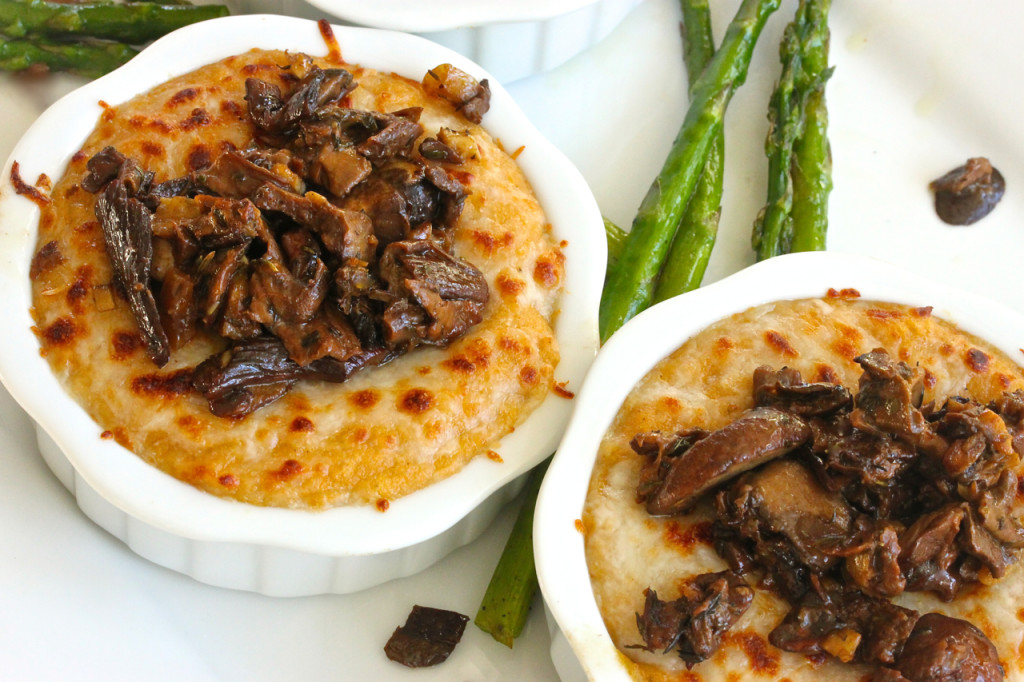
<point x="786" y="390"/>
<point x="944" y="649"/>
<point x="847" y="625"/>
<point x="428" y="637"/>
<point x="968" y="193"/>
<point x="128" y="238"/>
<point x="694" y="624"/>
<point x="760" y="435"/>
<point x="450" y="292"/>
<point x="783" y="506"/>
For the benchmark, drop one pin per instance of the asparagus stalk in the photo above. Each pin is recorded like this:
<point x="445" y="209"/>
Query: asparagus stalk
<point x="90" y="59"/>
<point x="688" y="256"/>
<point x="506" y="603"/>
<point x="812" y="156"/>
<point x="629" y="287"/>
<point x="772" y="232"/>
<point x="616" y="237"/>
<point x="133" y="22"/>
<point x="803" y="53"/>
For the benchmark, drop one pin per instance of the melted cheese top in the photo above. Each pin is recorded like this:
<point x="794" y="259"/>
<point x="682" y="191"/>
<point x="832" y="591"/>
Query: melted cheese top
<point x="707" y="383"/>
<point x="385" y="432"/>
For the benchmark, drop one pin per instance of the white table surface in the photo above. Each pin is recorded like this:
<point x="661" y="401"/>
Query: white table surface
<point x="920" y="85"/>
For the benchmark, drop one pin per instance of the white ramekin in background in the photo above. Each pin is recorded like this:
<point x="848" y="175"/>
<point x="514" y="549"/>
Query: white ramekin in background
<point x="511" y="39"/>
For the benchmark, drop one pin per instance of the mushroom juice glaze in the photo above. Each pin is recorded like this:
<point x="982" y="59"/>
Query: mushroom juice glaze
<point x="387" y="430"/>
<point x="707" y="384"/>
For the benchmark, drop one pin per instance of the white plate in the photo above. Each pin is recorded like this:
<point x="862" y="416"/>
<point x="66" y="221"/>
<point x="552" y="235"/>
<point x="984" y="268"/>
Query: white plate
<point x="75" y="604"/>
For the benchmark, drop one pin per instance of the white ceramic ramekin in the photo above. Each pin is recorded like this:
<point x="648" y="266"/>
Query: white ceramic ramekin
<point x="282" y="551"/>
<point x="511" y="39"/>
<point x="582" y="647"/>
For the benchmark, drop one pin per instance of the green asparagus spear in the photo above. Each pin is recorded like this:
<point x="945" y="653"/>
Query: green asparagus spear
<point x="812" y="157"/>
<point x="91" y="59"/>
<point x="616" y="237"/>
<point x="629" y="287"/>
<point x="772" y="230"/>
<point x="688" y="257"/>
<point x="506" y="603"/>
<point x="133" y="23"/>
<point x="804" y="56"/>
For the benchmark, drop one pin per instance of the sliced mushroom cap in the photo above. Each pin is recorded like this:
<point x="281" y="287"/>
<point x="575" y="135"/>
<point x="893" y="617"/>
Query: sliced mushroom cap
<point x="944" y="649"/>
<point x="760" y="435"/>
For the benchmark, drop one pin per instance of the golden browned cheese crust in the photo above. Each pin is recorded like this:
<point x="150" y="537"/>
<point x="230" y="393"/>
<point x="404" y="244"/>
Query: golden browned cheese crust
<point x="384" y="433"/>
<point x="707" y="382"/>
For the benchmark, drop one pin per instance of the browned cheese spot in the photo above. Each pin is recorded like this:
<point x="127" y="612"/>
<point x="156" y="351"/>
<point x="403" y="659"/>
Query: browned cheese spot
<point x="182" y="96"/>
<point x="170" y="385"/>
<point x="670" y="404"/>
<point x="460" y="364"/>
<point x="509" y="286"/>
<point x="1004" y="380"/>
<point x="848" y="293"/>
<point x="827" y="374"/>
<point x="199" y="157"/>
<point x="301" y="425"/>
<point x="923" y="311"/>
<point x="723" y="344"/>
<point x="228" y="481"/>
<point x="360" y="435"/>
<point x="197" y="119"/>
<point x="415" y="401"/>
<point x="60" y="332"/>
<point x="46" y="258"/>
<point x="780" y="343"/>
<point x="763" y="659"/>
<point x="495" y="457"/>
<point x="488" y="243"/>
<point x="686" y="538"/>
<point x="79" y="289"/>
<point x="124" y="344"/>
<point x="880" y="314"/>
<point x="424" y="370"/>
<point x="946" y="349"/>
<point x="26" y="190"/>
<point x="580" y="527"/>
<point x="507" y="343"/>
<point x="189" y="424"/>
<point x="929" y="379"/>
<point x="107" y="435"/>
<point x="364" y="399"/>
<point x="548" y="270"/>
<point x="848" y="343"/>
<point x="382" y="505"/>
<point x="529" y="375"/>
<point x="231" y="108"/>
<point x="977" y="360"/>
<point x="150" y="148"/>
<point x="79" y="157"/>
<point x="289" y="469"/>
<point x="253" y="69"/>
<point x="561" y="391"/>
